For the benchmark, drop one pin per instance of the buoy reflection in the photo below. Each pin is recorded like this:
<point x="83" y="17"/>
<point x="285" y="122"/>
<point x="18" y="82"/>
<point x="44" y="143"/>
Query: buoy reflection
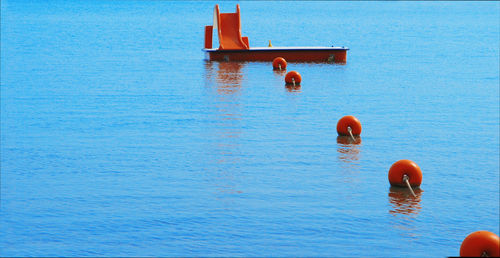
<point x="346" y="140"/>
<point x="403" y="202"/>
<point x="292" y="88"/>
<point x="348" y="148"/>
<point x="279" y="73"/>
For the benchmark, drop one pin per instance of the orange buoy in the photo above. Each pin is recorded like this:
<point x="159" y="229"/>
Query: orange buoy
<point x="347" y="122"/>
<point x="404" y="167"/>
<point x="481" y="243"/>
<point x="293" y="77"/>
<point x="279" y="63"/>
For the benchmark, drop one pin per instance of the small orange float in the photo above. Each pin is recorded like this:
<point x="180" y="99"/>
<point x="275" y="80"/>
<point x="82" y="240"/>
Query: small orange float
<point x="481" y="244"/>
<point x="293" y="77"/>
<point x="403" y="168"/>
<point x="347" y="122"/>
<point x="279" y="63"/>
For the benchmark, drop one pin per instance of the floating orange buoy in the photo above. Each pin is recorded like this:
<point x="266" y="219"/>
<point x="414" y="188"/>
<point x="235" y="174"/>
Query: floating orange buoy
<point x="279" y="63"/>
<point x="481" y="243"/>
<point x="347" y="122"/>
<point x="293" y="77"/>
<point x="404" y="167"/>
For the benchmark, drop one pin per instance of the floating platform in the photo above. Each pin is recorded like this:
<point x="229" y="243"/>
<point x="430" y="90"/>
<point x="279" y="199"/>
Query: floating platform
<point x="290" y="54"/>
<point x="234" y="47"/>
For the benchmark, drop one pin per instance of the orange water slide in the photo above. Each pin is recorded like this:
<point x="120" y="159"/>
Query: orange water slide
<point x="229" y="29"/>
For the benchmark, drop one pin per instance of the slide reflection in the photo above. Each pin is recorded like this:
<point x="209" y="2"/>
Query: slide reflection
<point x="229" y="77"/>
<point x="225" y="79"/>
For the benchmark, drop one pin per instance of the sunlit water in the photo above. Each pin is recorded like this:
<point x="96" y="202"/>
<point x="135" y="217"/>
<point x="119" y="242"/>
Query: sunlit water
<point x="119" y="139"/>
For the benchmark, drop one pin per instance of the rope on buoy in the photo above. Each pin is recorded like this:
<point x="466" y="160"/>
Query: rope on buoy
<point x="293" y="81"/>
<point x="350" y="132"/>
<point x="406" y="179"/>
<point x="279" y="65"/>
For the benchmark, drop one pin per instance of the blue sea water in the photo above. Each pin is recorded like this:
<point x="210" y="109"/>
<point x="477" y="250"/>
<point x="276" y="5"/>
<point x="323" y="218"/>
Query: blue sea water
<point x="119" y="139"/>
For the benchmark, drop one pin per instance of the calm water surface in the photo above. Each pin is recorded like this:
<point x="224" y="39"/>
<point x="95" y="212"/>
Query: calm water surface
<point x="119" y="139"/>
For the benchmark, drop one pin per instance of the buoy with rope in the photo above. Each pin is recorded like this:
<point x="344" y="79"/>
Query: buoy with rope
<point x="293" y="78"/>
<point x="349" y="125"/>
<point x="481" y="244"/>
<point x="405" y="173"/>
<point x="279" y="63"/>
